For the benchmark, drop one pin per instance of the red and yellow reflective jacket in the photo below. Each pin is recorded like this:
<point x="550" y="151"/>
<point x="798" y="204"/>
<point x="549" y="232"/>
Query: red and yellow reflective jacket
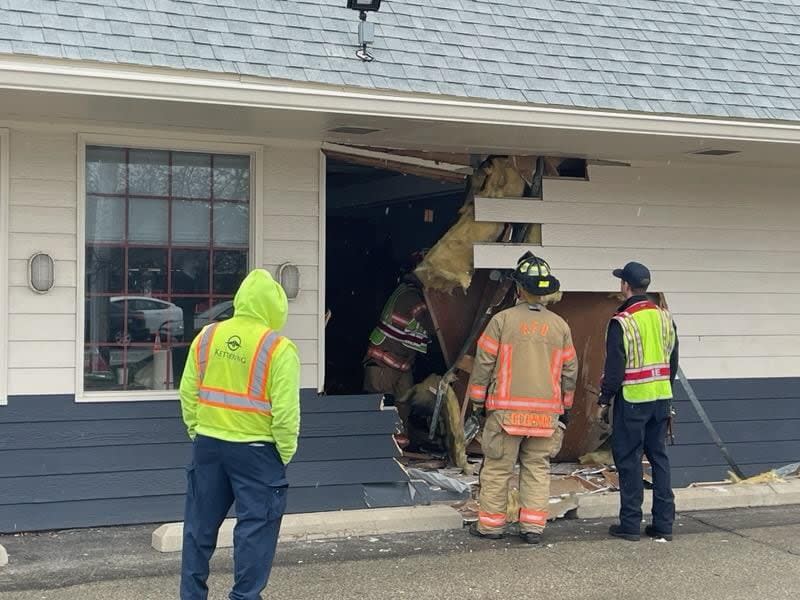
<point x="526" y="366"/>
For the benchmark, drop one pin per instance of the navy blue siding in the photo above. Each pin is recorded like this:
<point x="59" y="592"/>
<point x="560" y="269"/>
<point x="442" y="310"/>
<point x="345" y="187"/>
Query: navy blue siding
<point x="64" y="464"/>
<point x="758" y="419"/>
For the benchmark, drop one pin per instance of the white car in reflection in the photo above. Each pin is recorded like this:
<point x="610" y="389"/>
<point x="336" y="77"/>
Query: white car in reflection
<point x="219" y="312"/>
<point x="151" y="316"/>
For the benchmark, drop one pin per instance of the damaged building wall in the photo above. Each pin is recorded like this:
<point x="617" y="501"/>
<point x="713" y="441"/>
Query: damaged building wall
<point x="66" y="463"/>
<point x="723" y="244"/>
<point x="54" y="475"/>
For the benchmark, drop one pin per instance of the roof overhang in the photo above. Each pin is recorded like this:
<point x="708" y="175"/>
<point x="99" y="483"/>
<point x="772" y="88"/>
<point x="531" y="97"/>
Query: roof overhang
<point x="525" y="125"/>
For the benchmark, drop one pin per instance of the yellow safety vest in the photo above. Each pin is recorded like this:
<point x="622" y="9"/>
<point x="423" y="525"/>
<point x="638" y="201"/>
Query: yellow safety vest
<point x="649" y="338"/>
<point x="233" y="365"/>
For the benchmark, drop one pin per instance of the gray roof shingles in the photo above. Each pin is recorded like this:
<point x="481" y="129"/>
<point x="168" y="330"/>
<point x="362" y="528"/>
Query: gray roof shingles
<point x="719" y="58"/>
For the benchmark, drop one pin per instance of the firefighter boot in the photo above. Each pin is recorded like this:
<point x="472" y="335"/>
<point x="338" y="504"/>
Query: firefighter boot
<point x="473" y="530"/>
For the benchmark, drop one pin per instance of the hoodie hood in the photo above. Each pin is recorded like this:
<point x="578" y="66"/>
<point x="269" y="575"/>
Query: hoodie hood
<point x="262" y="298"/>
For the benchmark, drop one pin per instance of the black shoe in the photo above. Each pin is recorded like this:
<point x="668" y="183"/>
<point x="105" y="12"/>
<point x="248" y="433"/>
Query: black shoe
<point x="473" y="530"/>
<point x="617" y="531"/>
<point x="530" y="537"/>
<point x="655" y="533"/>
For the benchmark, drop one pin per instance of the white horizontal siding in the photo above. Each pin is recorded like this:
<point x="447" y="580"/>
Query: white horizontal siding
<point x="58" y="301"/>
<point x="36" y="381"/>
<point x="733" y="346"/>
<point x="42" y="192"/>
<point x="685" y="281"/>
<point x="309" y="376"/>
<point x="42" y="328"/>
<point x="309" y="277"/>
<point x="292" y="203"/>
<point x="667" y="185"/>
<point x="59" y="246"/>
<point x="677" y="259"/>
<point x="302" y="253"/>
<point x="631" y="215"/>
<point x="65" y="272"/>
<point x="724" y="325"/>
<point x="722" y="244"/>
<point x="43" y="218"/>
<point x="301" y="327"/>
<point x="742" y="367"/>
<point x="42" y="156"/>
<point x="668" y="238"/>
<point x="41" y="354"/>
<point x="291" y="228"/>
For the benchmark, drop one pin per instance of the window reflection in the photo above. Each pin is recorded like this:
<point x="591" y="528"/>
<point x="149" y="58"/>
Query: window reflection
<point x="167" y="246"/>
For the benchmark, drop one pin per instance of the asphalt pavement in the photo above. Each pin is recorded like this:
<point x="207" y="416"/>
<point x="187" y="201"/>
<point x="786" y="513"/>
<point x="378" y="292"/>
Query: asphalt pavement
<point x="732" y="555"/>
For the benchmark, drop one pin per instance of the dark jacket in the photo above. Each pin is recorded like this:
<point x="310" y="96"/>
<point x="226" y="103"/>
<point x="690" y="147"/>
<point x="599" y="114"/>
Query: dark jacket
<point x="614" y="373"/>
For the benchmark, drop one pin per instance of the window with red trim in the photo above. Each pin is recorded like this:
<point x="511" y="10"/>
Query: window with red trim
<point x="167" y="244"/>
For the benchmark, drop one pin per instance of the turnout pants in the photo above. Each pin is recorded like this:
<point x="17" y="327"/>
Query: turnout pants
<point x="501" y="452"/>
<point x="254" y="477"/>
<point x="642" y="428"/>
<point x="383" y="379"/>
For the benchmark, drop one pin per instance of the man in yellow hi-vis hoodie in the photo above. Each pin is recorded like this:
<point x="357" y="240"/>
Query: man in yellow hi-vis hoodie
<point x="240" y="400"/>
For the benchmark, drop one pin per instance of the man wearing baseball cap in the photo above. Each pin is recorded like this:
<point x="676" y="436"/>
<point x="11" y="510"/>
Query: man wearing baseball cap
<point x="641" y="365"/>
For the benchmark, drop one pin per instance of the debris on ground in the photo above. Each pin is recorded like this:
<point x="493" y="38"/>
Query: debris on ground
<point x="598" y="457"/>
<point x="421" y="402"/>
<point x="792" y="470"/>
<point x="779" y="475"/>
<point x="568" y="482"/>
<point x="438" y="479"/>
<point x="766" y="477"/>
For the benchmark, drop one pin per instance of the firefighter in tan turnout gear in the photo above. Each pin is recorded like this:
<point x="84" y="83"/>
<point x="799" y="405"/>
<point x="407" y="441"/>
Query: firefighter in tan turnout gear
<point x="403" y="331"/>
<point x="523" y="382"/>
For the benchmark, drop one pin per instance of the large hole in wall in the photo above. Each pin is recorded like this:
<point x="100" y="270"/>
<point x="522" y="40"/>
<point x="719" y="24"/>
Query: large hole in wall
<point x="376" y="220"/>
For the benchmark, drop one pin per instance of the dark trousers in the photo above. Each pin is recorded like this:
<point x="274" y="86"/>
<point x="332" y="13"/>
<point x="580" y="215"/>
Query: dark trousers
<point x="642" y="427"/>
<point x="221" y="473"/>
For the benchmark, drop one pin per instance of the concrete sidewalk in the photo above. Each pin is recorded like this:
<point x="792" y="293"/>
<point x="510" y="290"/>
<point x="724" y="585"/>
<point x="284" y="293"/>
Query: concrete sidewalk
<point x="747" y="554"/>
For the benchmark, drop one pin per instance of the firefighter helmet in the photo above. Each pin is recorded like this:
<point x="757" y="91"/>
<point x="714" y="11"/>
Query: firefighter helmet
<point x="534" y="276"/>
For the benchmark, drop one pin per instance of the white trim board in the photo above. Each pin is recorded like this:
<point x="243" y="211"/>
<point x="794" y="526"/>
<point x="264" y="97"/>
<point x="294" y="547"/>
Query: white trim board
<point x="257" y="166"/>
<point x="321" y="268"/>
<point x="5" y="200"/>
<point x="83" y="77"/>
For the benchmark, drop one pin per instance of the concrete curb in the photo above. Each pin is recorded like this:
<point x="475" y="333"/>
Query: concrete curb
<point x="3" y="556"/>
<point x="599" y="506"/>
<point x="329" y="525"/>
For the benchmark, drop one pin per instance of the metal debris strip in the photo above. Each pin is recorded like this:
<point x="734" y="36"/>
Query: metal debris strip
<point x="445" y="482"/>
<point x="792" y="470"/>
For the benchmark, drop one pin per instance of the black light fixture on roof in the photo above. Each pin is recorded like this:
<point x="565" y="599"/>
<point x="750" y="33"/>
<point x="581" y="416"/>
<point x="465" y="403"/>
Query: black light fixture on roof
<point x="364" y="5"/>
<point x="366" y="31"/>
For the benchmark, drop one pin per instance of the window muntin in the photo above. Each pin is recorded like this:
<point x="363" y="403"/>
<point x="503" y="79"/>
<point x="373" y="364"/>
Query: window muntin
<point x="167" y="239"/>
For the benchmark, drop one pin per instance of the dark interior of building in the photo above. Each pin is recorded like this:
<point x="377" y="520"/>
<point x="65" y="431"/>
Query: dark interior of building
<point x="376" y="220"/>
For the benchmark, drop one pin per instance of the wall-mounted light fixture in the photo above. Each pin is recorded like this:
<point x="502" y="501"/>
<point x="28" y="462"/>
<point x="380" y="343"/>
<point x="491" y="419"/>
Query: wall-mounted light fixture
<point x="41" y="273"/>
<point x="366" y="31"/>
<point x="289" y="278"/>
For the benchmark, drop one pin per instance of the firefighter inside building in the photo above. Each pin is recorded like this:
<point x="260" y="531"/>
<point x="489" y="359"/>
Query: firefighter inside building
<point x="403" y="331"/>
<point x="522" y="386"/>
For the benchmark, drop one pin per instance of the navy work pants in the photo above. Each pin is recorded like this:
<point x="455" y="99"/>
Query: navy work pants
<point x="254" y="477"/>
<point x="642" y="427"/>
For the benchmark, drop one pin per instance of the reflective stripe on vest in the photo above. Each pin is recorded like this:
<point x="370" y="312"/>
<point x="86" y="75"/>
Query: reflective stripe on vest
<point x="203" y="349"/>
<point x="647" y="369"/>
<point x="255" y="399"/>
<point x="406" y="331"/>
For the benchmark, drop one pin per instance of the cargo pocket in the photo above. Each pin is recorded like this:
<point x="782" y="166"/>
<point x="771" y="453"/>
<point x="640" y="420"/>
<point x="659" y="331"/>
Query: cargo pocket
<point x="558" y="441"/>
<point x="492" y="438"/>
<point x="276" y="505"/>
